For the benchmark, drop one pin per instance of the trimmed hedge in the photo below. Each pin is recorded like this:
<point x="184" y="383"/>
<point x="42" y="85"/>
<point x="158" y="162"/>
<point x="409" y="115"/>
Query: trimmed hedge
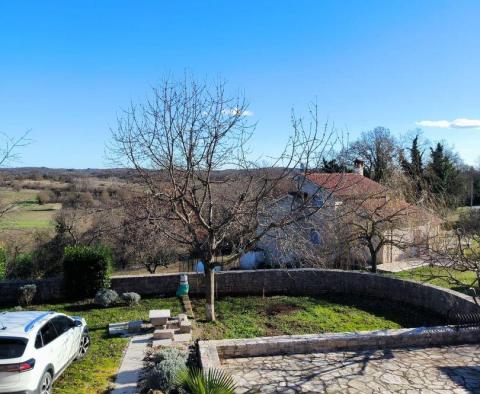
<point x="86" y="270"/>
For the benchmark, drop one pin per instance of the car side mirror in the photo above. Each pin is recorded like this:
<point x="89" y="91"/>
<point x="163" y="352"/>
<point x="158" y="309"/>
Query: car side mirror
<point x="76" y="323"/>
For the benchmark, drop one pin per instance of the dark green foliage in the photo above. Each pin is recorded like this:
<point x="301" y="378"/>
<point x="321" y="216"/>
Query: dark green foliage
<point x="444" y="178"/>
<point x="213" y="381"/>
<point x="26" y="294"/>
<point x="3" y="263"/>
<point x="413" y="169"/>
<point x="22" y="266"/>
<point x="86" y="270"/>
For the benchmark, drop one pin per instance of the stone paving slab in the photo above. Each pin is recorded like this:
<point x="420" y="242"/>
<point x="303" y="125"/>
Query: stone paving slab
<point x="131" y="366"/>
<point x="433" y="370"/>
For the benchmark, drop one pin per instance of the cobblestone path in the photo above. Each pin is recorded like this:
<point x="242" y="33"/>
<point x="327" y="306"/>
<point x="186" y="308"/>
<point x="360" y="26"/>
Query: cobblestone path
<point x="442" y="370"/>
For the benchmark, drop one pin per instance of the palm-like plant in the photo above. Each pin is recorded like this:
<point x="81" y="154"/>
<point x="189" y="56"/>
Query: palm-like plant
<point x="214" y="381"/>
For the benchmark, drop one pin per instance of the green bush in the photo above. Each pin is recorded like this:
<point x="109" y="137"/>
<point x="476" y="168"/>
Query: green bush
<point x="3" y="263"/>
<point x="106" y="298"/>
<point x="23" y="266"/>
<point x="168" y="363"/>
<point x="26" y="294"/>
<point x="131" y="298"/>
<point x="86" y="270"/>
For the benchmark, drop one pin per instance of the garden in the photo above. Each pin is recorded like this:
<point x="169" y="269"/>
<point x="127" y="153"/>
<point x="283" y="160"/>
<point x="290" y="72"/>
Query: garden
<point x="86" y="275"/>
<point x="238" y="317"/>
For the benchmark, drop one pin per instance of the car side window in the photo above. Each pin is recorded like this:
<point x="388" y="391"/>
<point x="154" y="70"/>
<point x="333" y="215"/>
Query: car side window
<point x="62" y="324"/>
<point x="48" y="333"/>
<point x="38" y="340"/>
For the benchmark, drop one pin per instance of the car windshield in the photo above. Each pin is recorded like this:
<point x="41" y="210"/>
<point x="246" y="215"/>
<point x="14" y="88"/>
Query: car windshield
<point x="12" y="347"/>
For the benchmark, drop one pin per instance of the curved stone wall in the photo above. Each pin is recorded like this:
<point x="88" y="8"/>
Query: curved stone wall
<point x="310" y="282"/>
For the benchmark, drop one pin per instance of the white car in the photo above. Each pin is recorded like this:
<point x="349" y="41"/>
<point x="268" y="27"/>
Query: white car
<point x="36" y="347"/>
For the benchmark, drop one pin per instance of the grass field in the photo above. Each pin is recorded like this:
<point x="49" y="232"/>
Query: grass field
<point x="26" y="212"/>
<point x="431" y="275"/>
<point x="93" y="374"/>
<point x="245" y="317"/>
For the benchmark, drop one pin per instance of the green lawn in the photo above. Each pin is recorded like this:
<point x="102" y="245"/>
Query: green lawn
<point x="96" y="371"/>
<point x="431" y="275"/>
<point x="26" y="213"/>
<point x="245" y="317"/>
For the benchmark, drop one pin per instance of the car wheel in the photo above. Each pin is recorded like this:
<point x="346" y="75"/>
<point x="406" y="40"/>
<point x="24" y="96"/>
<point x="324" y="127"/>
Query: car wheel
<point x="45" y="386"/>
<point x="84" y="346"/>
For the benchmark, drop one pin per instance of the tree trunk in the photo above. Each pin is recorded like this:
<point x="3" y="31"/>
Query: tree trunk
<point x="209" y="293"/>
<point x="374" y="262"/>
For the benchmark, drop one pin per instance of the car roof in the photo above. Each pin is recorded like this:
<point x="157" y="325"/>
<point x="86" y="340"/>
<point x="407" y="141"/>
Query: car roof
<point x="22" y="323"/>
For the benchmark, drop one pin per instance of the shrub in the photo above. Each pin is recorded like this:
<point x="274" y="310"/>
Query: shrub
<point x="131" y="298"/>
<point x="3" y="263"/>
<point x="26" y="294"/>
<point x="86" y="270"/>
<point x="168" y="363"/>
<point x="44" y="197"/>
<point x="106" y="297"/>
<point x="23" y="266"/>
<point x="212" y="381"/>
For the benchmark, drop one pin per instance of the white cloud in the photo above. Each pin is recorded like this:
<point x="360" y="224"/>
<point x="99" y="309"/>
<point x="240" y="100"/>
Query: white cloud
<point x="236" y="111"/>
<point x="460" y="123"/>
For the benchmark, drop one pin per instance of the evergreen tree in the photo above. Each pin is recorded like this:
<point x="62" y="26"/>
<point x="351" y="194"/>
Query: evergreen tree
<point x="443" y="177"/>
<point x="413" y="169"/>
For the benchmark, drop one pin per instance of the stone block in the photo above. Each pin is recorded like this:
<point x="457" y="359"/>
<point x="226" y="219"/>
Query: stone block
<point x="182" y="317"/>
<point x="183" y="338"/>
<point x="185" y="327"/>
<point x="166" y="333"/>
<point x="159" y="317"/>
<point x="162" y="342"/>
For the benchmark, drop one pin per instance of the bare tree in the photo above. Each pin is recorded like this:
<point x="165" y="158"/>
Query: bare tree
<point x="8" y="153"/>
<point x="378" y="148"/>
<point x="376" y="222"/>
<point x="189" y="146"/>
<point x="454" y="257"/>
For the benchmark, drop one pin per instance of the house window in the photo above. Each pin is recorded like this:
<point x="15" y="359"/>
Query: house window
<point x="314" y="237"/>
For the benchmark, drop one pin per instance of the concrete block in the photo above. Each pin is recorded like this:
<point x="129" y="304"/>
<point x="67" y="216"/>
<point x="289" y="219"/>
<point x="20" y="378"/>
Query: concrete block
<point x="162" y="342"/>
<point x="159" y="317"/>
<point x="167" y="333"/>
<point x="183" y="338"/>
<point x="182" y="317"/>
<point x="185" y="327"/>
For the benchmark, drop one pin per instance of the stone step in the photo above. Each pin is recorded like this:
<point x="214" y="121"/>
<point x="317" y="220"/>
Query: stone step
<point x="185" y="327"/>
<point x="173" y="323"/>
<point x="183" y="338"/>
<point x="167" y="333"/>
<point x="162" y="342"/>
<point x="182" y="317"/>
<point x="159" y="317"/>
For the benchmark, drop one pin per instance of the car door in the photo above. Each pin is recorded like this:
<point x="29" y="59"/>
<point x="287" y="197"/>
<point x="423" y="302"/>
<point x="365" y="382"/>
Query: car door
<point x="48" y="346"/>
<point x="66" y="336"/>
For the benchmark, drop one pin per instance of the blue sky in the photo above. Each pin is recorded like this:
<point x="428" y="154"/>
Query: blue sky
<point x="66" y="68"/>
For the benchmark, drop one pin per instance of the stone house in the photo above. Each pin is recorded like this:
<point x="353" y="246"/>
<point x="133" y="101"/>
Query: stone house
<point x="350" y="204"/>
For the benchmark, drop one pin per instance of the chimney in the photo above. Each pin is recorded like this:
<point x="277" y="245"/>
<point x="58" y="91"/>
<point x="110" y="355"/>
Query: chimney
<point x="358" y="165"/>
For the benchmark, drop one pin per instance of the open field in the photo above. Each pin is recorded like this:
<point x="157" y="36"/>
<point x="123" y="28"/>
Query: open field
<point x="26" y="212"/>
<point x="246" y="317"/>
<point x="94" y="373"/>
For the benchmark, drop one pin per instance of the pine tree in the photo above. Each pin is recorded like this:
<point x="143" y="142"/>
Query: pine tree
<point x="444" y="178"/>
<point x="413" y="169"/>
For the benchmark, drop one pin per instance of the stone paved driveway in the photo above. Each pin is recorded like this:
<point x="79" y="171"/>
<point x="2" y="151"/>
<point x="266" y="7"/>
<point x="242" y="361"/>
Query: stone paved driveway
<point x="449" y="369"/>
